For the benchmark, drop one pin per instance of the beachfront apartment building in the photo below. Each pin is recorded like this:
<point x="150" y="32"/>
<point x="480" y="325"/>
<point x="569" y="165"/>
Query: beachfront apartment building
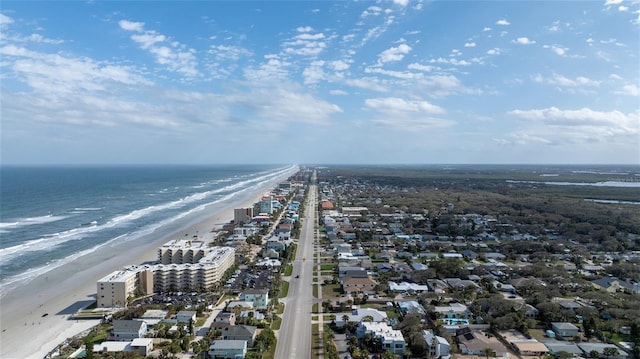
<point x="266" y="205"/>
<point x="181" y="251"/>
<point x="114" y="289"/>
<point x="191" y="276"/>
<point x="242" y="215"/>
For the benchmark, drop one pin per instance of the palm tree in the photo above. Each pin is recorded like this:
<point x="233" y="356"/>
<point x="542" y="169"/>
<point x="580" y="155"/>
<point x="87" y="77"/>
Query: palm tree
<point x="488" y="352"/>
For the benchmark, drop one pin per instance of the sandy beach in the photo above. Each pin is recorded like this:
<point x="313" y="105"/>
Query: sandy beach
<point x="25" y="330"/>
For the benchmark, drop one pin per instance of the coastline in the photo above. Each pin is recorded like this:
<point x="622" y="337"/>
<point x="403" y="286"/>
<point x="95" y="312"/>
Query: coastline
<point x="26" y="333"/>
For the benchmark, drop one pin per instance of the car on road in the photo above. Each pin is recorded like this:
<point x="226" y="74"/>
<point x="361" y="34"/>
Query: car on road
<point x="297" y="275"/>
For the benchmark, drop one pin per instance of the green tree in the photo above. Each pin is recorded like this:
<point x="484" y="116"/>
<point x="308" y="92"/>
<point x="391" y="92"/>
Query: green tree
<point x="610" y="352"/>
<point x="488" y="352"/>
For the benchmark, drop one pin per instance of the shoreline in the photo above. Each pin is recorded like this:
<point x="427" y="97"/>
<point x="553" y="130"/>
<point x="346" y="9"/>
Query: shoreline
<point x="26" y="333"/>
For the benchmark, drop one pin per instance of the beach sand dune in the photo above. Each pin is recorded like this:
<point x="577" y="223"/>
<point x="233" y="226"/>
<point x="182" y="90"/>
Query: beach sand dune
<point x="25" y="330"/>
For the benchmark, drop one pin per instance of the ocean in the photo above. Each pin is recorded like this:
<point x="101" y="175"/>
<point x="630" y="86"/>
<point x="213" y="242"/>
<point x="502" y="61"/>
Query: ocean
<point x="50" y="216"/>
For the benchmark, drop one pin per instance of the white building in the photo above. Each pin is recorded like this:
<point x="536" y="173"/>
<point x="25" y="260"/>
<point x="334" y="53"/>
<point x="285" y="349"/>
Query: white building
<point x="390" y="338"/>
<point x="114" y="289"/>
<point x="182" y="251"/>
<point x="202" y="275"/>
<point x="439" y="347"/>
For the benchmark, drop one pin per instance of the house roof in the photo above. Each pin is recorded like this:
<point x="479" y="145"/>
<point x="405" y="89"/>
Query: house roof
<point x="564" y="326"/>
<point x="222" y="344"/>
<point x="559" y="346"/>
<point x="476" y="341"/>
<point x="530" y="346"/>
<point x="127" y="325"/>
<point x="240" y="330"/>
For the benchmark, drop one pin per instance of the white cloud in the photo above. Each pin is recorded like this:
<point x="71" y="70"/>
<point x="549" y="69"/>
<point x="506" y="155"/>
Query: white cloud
<point x="524" y="41"/>
<point x="554" y="126"/>
<point x="503" y="22"/>
<point x="629" y="90"/>
<point x="397" y="105"/>
<point x="623" y="8"/>
<point x="338" y="92"/>
<point x="174" y="56"/>
<point x="305" y="44"/>
<point x="486" y="29"/>
<point x="396" y="74"/>
<point x="563" y="81"/>
<point x="5" y="20"/>
<point x="372" y="11"/>
<point x="616" y="120"/>
<point x="314" y="73"/>
<point x="228" y="52"/>
<point x="394" y="53"/>
<point x="443" y="85"/>
<point x="304" y="29"/>
<point x="450" y="61"/>
<point x="469" y="44"/>
<point x="131" y="25"/>
<point x="402" y="3"/>
<point x="420" y="67"/>
<point x="612" y="2"/>
<point x="274" y="68"/>
<point x="494" y="51"/>
<point x="339" y="65"/>
<point x="368" y="83"/>
<point x="557" y="49"/>
<point x="406" y="115"/>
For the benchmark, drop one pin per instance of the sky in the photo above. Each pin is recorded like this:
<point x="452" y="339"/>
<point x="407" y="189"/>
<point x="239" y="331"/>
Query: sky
<point x="330" y="82"/>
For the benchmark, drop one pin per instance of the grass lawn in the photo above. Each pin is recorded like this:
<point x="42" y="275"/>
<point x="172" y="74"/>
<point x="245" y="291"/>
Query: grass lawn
<point x="315" y="291"/>
<point x="277" y="322"/>
<point x="316" y="340"/>
<point x="327" y="267"/>
<point x="314" y="308"/>
<point x="288" y="269"/>
<point x="331" y="291"/>
<point x="284" y="289"/>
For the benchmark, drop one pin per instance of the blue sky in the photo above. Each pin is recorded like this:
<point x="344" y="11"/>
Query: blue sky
<point x="320" y="82"/>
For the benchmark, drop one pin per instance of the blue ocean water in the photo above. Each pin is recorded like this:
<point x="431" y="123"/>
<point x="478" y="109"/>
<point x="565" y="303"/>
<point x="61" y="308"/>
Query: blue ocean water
<point x="51" y="215"/>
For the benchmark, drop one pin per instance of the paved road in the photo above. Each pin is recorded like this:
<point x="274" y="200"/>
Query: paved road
<point x="294" y="336"/>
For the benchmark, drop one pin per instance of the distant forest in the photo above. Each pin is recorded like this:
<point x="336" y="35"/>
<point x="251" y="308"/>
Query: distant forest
<point x="508" y="194"/>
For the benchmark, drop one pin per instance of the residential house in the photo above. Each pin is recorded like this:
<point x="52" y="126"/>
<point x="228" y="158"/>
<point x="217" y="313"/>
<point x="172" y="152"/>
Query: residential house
<point x="359" y="285"/>
<point x="474" y="342"/>
<point x="411" y="306"/>
<point x="357" y="314"/>
<point x="127" y="330"/>
<point x="613" y="284"/>
<point x="389" y="338"/>
<point x="556" y="347"/>
<point x="564" y="329"/>
<point x="142" y="346"/>
<point x="600" y="348"/>
<point x="453" y="314"/>
<point x="240" y="332"/>
<point x="406" y="287"/>
<point x="259" y="297"/>
<point x="223" y="319"/>
<point x="228" y="349"/>
<point x="439" y="347"/>
<point x="186" y="316"/>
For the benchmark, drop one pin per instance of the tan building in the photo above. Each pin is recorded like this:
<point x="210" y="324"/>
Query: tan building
<point x="114" y="289"/>
<point x="242" y="215"/>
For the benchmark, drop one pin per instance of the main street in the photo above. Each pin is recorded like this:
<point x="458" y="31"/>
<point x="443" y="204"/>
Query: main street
<point x="294" y="336"/>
